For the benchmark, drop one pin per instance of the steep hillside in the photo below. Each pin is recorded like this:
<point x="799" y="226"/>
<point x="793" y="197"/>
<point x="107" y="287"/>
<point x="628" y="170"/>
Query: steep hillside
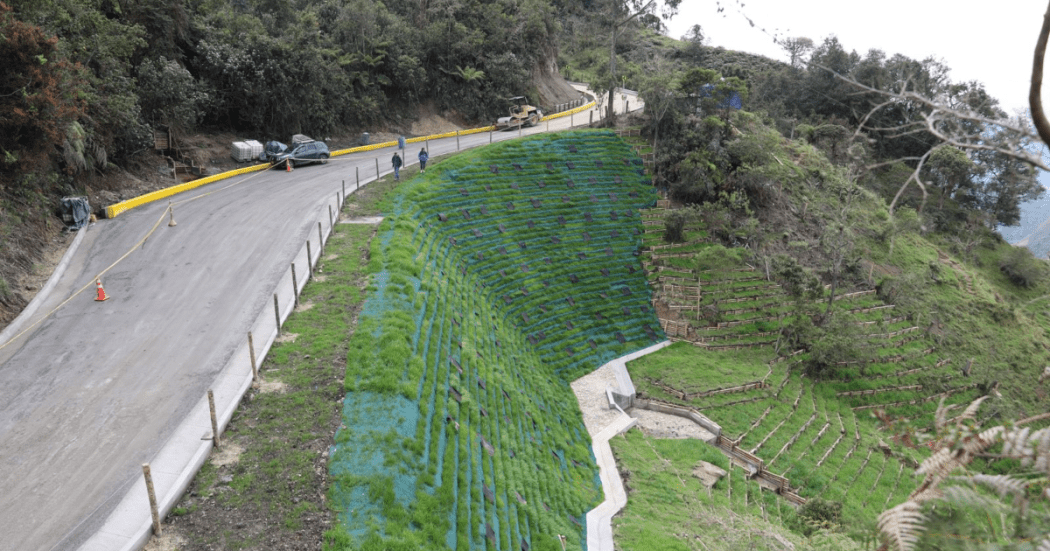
<point x="502" y="275"/>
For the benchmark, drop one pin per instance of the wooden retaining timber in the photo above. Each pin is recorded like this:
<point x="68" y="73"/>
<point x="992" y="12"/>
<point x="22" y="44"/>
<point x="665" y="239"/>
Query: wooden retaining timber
<point x="939" y="364"/>
<point x="794" y="438"/>
<point x="673" y="245"/>
<point x="686" y="396"/>
<point x="741" y="346"/>
<point x="892" y="334"/>
<point x="714" y="338"/>
<point x="889" y="359"/>
<point x="887" y="320"/>
<point x="674" y="328"/>
<point x="874" y="391"/>
<point x="917" y="401"/>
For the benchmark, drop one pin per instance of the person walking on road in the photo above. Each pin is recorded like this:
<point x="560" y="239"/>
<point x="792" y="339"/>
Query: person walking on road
<point x="423" y="158"/>
<point x="396" y="161"/>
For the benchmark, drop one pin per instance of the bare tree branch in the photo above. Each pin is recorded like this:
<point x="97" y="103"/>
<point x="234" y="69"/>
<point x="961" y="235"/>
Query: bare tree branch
<point x="1035" y="99"/>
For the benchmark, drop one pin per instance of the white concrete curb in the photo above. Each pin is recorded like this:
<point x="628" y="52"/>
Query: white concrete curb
<point x="599" y="519"/>
<point x="15" y="326"/>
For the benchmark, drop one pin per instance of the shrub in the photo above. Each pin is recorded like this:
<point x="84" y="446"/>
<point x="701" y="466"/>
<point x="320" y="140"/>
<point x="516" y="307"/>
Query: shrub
<point x="1021" y="268"/>
<point x="674" y="225"/>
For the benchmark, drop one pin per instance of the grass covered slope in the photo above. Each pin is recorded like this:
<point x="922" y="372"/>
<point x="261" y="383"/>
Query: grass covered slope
<point x="502" y="274"/>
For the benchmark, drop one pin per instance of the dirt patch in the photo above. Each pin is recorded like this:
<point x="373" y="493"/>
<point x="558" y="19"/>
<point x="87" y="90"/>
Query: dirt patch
<point x="319" y="278"/>
<point x="271" y="386"/>
<point x="287" y="337"/>
<point x="228" y="454"/>
<point x="169" y="540"/>
<point x="304" y="306"/>
<point x="431" y="123"/>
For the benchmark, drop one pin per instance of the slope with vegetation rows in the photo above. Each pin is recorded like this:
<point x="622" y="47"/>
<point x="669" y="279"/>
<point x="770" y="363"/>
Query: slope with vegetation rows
<point x="829" y="339"/>
<point x="500" y="276"/>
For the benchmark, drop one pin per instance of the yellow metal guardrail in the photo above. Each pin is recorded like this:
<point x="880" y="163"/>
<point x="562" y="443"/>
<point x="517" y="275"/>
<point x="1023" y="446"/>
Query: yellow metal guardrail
<point x="115" y="210"/>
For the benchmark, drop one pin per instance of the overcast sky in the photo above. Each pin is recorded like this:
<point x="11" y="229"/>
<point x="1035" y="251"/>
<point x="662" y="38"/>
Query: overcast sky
<point x="991" y="42"/>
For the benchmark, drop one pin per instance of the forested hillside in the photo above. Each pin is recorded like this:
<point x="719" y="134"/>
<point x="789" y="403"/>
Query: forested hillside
<point x="85" y="83"/>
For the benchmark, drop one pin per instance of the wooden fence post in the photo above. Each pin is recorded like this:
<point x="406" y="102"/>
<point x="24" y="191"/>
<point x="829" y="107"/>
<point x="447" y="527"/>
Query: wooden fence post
<point x="295" y="287"/>
<point x="152" y="499"/>
<point x="251" y="354"/>
<point x="214" y="421"/>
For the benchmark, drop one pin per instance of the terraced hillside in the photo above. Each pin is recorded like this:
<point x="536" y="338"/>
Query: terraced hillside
<point x="820" y="436"/>
<point x="500" y="277"/>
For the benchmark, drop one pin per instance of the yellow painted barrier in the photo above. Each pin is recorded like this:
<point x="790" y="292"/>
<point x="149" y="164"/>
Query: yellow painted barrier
<point x="113" y="211"/>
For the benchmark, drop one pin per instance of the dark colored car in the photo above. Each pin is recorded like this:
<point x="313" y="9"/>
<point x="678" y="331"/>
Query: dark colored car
<point x="303" y="154"/>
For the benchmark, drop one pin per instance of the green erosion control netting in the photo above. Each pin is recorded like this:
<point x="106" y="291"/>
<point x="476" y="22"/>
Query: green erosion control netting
<point x="504" y="274"/>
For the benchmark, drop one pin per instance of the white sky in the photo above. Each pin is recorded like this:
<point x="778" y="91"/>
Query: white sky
<point x="991" y="42"/>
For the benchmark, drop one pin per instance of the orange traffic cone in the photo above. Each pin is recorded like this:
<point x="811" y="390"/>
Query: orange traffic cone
<point x="288" y="164"/>
<point x="101" y="292"/>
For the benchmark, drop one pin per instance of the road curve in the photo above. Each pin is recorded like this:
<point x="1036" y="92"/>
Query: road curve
<point x="99" y="388"/>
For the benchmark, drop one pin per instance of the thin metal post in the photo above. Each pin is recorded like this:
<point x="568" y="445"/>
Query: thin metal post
<point x="320" y="240"/>
<point x="490" y="135"/>
<point x="519" y="128"/>
<point x="152" y="499"/>
<point x="358" y="170"/>
<point x="277" y="313"/>
<point x="309" y="259"/>
<point x="344" y="192"/>
<point x="295" y="286"/>
<point x="571" y="121"/>
<point x="331" y="220"/>
<point x="251" y="354"/>
<point x="377" y="168"/>
<point x="214" y="421"/>
<point x="457" y="140"/>
<point x="590" y="121"/>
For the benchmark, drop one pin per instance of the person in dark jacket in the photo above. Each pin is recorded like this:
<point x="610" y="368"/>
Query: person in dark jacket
<point x="423" y="158"/>
<point x="396" y="161"/>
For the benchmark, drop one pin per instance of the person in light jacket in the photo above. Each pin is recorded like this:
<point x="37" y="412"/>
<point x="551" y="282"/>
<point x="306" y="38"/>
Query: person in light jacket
<point x="423" y="158"/>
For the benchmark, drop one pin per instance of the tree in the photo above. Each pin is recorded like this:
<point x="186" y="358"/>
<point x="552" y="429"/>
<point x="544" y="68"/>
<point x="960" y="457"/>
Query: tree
<point x="623" y="12"/>
<point x="39" y="94"/>
<point x="796" y="48"/>
<point x="658" y="92"/>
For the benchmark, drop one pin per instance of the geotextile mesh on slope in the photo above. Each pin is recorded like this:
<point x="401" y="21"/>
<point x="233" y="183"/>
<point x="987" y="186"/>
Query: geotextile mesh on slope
<point x="505" y="273"/>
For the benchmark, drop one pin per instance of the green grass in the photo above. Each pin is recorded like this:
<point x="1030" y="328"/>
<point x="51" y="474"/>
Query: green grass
<point x="668" y="509"/>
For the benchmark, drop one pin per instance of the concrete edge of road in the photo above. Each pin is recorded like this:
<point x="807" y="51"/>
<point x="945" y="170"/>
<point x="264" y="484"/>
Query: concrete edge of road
<point x="114" y="210"/>
<point x="16" y="325"/>
<point x="599" y="519"/>
<point x="129" y="526"/>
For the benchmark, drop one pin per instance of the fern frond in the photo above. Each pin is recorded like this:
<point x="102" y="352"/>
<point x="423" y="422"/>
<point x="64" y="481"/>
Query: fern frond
<point x="1015" y="442"/>
<point x="1042" y="450"/>
<point x="940" y="418"/>
<point x="941" y="459"/>
<point x="971" y="410"/>
<point x="965" y="495"/>
<point x="901" y="525"/>
<point x="983" y="441"/>
<point x="1002" y="484"/>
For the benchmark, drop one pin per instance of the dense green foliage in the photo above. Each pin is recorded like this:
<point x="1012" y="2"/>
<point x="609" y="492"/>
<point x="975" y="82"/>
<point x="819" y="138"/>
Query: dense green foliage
<point x="503" y="274"/>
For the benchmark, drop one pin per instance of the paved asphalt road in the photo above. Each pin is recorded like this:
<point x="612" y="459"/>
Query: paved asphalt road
<point x="99" y="387"/>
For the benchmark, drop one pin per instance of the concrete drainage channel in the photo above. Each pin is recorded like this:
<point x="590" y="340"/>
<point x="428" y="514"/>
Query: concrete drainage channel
<point x="604" y="427"/>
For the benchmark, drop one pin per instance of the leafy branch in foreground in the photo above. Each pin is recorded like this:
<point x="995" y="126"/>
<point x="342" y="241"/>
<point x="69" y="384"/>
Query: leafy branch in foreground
<point x="948" y="478"/>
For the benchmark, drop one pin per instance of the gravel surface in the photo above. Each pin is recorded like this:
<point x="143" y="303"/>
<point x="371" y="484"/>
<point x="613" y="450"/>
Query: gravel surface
<point x="590" y="393"/>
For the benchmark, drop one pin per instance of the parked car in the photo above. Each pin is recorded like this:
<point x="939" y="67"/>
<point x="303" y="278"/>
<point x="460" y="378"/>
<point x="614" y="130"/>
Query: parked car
<point x="304" y="153"/>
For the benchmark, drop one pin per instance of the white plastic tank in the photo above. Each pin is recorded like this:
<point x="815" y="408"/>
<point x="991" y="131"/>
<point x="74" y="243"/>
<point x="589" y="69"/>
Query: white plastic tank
<point x="241" y="152"/>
